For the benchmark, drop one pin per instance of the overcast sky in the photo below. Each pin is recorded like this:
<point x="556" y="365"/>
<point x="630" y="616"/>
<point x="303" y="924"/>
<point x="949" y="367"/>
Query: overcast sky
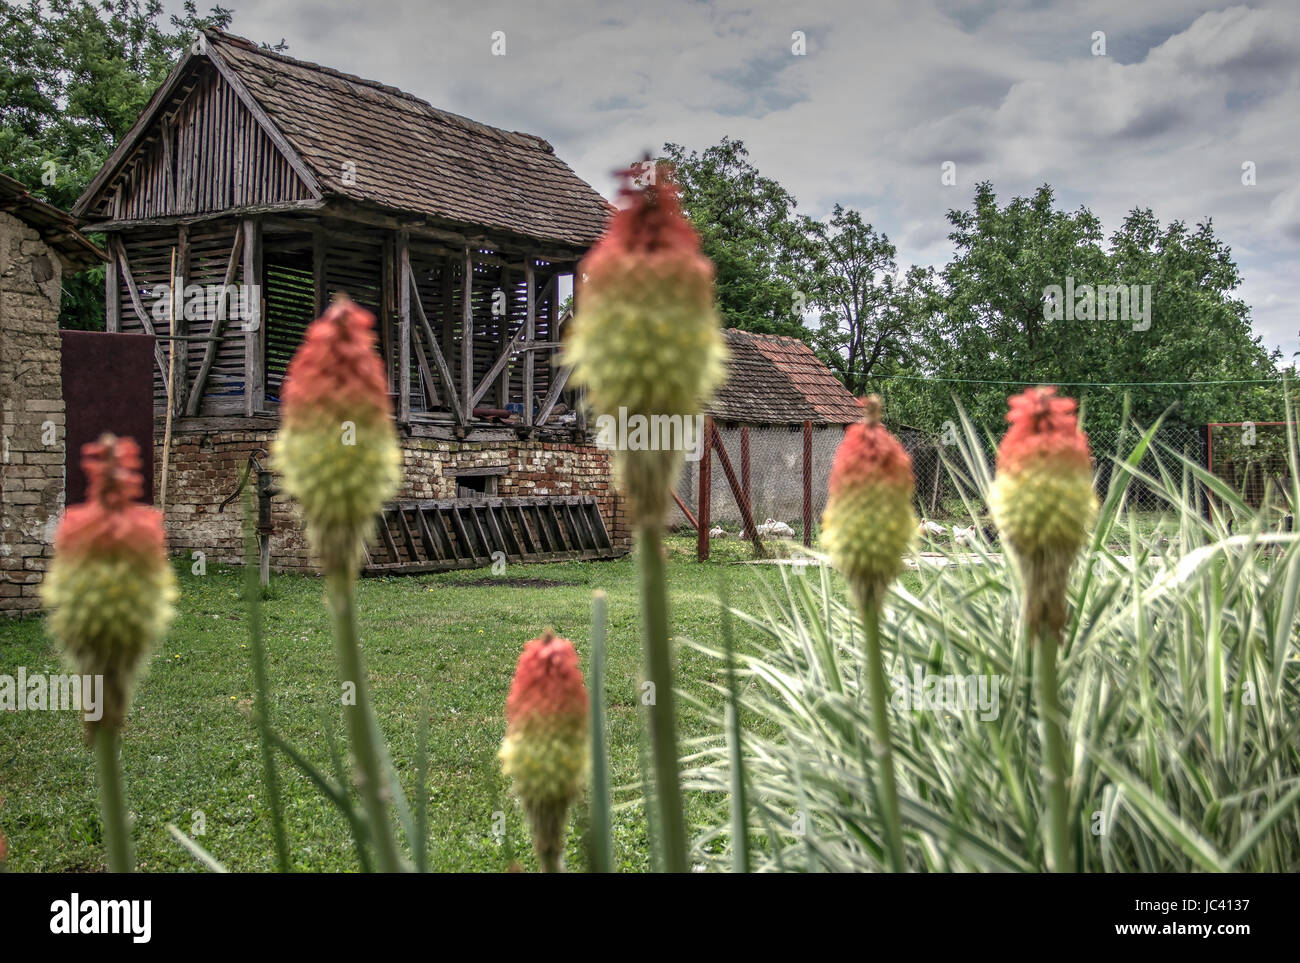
<point x="1009" y="91"/>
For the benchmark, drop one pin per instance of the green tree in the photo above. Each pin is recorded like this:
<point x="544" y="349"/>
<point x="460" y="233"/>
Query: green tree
<point x="765" y="253"/>
<point x="999" y="323"/>
<point x="75" y="75"/>
<point x="871" y="318"/>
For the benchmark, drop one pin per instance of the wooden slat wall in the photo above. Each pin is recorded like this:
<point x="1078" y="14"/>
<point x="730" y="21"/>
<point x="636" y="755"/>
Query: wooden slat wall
<point x="220" y="159"/>
<point x="223" y="393"/>
<point x="149" y="257"/>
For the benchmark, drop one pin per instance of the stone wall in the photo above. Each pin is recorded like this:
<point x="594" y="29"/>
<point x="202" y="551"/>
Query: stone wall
<point x="206" y="466"/>
<point x="31" y="413"/>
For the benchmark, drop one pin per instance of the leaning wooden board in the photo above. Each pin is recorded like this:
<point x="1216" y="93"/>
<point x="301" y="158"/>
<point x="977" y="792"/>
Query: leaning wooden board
<point x="441" y="534"/>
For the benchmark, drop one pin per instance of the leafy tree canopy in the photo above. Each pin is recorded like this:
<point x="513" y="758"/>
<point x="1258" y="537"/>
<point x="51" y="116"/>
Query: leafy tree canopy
<point x="74" y="76"/>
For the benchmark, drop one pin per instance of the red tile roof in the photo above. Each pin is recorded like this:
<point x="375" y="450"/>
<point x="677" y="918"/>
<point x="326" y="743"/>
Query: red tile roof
<point x="774" y="380"/>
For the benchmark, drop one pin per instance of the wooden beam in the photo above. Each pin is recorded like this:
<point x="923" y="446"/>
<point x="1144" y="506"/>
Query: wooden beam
<point x="467" y="335"/>
<point x="713" y="438"/>
<point x="530" y="326"/>
<point x="448" y="302"/>
<point x="214" y="331"/>
<point x="145" y="321"/>
<point x="430" y="392"/>
<point x="254" y="386"/>
<point x="112" y="290"/>
<point x="704" y="496"/>
<point x="407" y="281"/>
<point x="387" y="310"/>
<point x="169" y="163"/>
<point x="552" y="396"/>
<point x="250" y="210"/>
<point x="439" y="360"/>
<point x="180" y="327"/>
<point x="498" y="367"/>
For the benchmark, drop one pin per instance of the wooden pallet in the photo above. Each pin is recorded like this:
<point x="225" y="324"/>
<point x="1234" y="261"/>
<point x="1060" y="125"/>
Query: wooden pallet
<point x="437" y="535"/>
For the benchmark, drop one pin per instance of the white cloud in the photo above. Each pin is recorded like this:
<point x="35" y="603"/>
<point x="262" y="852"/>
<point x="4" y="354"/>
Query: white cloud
<point x="1009" y="91"/>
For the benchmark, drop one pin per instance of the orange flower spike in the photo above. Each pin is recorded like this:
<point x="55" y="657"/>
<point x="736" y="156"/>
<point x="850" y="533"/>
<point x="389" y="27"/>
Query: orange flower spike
<point x="337" y="450"/>
<point x="1042" y="499"/>
<point x="647" y="337"/>
<point x="869" y="523"/>
<point x="110" y="588"/>
<point x="545" y="748"/>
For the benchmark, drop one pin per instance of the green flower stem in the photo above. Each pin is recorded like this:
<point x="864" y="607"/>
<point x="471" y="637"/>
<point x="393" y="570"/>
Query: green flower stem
<point x="1054" y="774"/>
<point x="112" y="800"/>
<point x="361" y="733"/>
<point x="878" y="690"/>
<point x="253" y="603"/>
<point x="663" y="715"/>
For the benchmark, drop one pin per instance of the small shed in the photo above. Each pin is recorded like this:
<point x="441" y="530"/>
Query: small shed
<point x="275" y="183"/>
<point x="778" y="418"/>
<point x="38" y="245"/>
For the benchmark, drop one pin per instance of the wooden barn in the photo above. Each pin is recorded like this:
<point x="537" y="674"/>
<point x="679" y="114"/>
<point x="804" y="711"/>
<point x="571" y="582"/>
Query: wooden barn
<point x="272" y="184"/>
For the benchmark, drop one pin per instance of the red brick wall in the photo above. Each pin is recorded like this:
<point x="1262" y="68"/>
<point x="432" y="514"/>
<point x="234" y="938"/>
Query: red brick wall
<point x="206" y="466"/>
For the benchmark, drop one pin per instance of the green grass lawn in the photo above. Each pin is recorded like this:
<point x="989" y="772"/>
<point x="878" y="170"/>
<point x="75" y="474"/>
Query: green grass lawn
<point x="446" y="642"/>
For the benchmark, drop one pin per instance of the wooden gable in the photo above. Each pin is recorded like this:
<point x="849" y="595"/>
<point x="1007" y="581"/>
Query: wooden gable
<point x="202" y="146"/>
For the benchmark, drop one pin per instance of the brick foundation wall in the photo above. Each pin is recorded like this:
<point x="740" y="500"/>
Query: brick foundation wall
<point x="31" y="413"/>
<point x="206" y="465"/>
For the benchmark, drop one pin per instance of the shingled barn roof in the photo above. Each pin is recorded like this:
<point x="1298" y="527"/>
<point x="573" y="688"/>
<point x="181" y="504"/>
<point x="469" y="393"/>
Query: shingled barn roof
<point x="367" y="142"/>
<point x="773" y="380"/>
<point x="56" y="228"/>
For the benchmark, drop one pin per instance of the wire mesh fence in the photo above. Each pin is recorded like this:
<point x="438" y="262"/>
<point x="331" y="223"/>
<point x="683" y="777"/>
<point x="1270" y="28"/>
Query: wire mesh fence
<point x="768" y="463"/>
<point x="1252" y="458"/>
<point x="939" y="492"/>
<point x="782" y="471"/>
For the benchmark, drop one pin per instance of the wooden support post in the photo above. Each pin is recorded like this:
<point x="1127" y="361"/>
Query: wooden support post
<point x="146" y="319"/>
<point x="578" y="406"/>
<point x="405" y="281"/>
<point x="467" y="337"/>
<point x="254" y="384"/>
<point x="530" y="334"/>
<point x="686" y="511"/>
<point x="448" y="301"/>
<point x="387" y="310"/>
<point x="705" y="495"/>
<point x="179" y="362"/>
<point x="444" y="372"/>
<point x="744" y="464"/>
<point x="807" y="483"/>
<point x="112" y="290"/>
<point x="746" y="515"/>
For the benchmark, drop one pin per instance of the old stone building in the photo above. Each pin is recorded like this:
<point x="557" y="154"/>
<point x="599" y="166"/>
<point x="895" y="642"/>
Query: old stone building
<point x="38" y="245"/>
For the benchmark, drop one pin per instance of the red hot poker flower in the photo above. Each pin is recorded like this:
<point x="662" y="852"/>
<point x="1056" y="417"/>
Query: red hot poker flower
<point x="110" y="587"/>
<point x="869" y="522"/>
<point x="545" y="748"/>
<point x="547" y="683"/>
<point x="1042" y="426"/>
<point x="111" y="522"/>
<point x="869" y="453"/>
<point x="337" y="369"/>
